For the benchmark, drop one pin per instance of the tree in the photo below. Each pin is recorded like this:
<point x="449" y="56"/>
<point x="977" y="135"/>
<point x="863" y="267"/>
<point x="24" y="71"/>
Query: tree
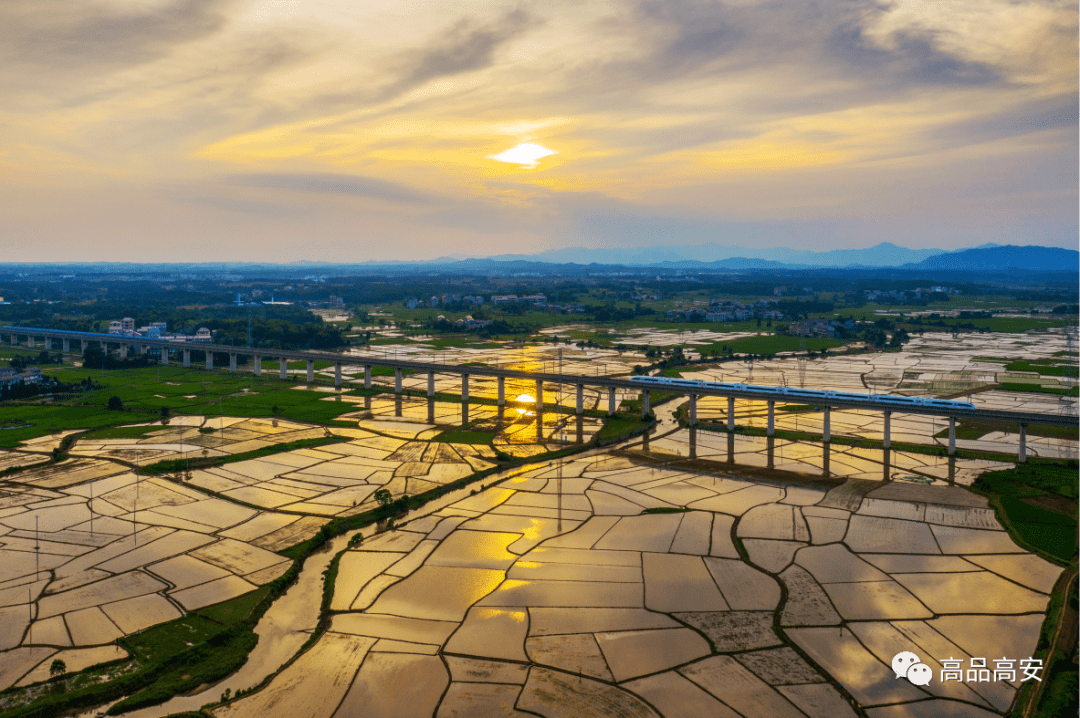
<point x="383" y="497"/>
<point x="94" y="358"/>
<point x="57" y="668"/>
<point x="115" y="404"/>
<point x="164" y="413"/>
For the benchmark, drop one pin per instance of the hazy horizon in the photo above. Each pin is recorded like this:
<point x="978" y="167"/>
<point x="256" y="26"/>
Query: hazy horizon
<point x="279" y="131"/>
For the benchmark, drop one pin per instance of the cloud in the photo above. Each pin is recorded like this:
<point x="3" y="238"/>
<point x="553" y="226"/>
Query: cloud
<point x="87" y="36"/>
<point x="667" y="118"/>
<point x="465" y="47"/>
<point x="327" y="183"/>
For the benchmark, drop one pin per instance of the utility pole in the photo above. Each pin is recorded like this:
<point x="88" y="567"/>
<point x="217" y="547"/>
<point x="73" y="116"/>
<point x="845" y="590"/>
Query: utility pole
<point x="558" y="411"/>
<point x="135" y="506"/>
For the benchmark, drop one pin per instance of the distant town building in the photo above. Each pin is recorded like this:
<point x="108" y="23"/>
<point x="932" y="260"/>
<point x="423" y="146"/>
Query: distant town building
<point x="202" y="334"/>
<point x="814" y="328"/>
<point x="10" y="377"/>
<point x="116" y="327"/>
<point x="434" y="301"/>
<point x="127" y="324"/>
<point x="537" y="299"/>
<point x="336" y="302"/>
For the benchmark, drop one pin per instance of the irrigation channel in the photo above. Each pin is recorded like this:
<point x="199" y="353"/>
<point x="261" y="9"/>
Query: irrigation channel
<point x="289" y="622"/>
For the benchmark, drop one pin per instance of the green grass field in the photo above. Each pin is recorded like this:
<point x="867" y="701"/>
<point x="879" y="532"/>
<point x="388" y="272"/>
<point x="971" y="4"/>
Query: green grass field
<point x="123" y="432"/>
<point x="1044" y="368"/>
<point x="1039" y="502"/>
<point x="766" y="344"/>
<point x="616" y="426"/>
<point x="144" y="392"/>
<point x="1036" y="388"/>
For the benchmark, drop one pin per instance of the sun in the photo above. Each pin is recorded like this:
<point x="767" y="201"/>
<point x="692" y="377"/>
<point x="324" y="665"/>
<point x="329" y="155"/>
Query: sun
<point x="526" y="155"/>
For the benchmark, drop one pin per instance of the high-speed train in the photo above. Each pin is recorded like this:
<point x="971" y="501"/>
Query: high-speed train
<point x="804" y="394"/>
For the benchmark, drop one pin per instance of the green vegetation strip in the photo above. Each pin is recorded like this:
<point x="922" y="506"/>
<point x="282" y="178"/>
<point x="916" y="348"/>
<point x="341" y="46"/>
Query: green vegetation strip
<point x="1045" y="368"/>
<point x="1037" y="389"/>
<point x="461" y="436"/>
<point x="1050" y="530"/>
<point x="205" y="462"/>
<point x="622" y="425"/>
<point x="123" y="432"/>
<point x="166" y="660"/>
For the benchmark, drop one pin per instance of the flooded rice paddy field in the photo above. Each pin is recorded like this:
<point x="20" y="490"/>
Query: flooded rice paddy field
<point x="505" y="604"/>
<point x="964" y="368"/>
<point x="556" y="596"/>
<point x="90" y="550"/>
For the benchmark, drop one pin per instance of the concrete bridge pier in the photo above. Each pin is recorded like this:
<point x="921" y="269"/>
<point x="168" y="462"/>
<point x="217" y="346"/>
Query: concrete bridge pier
<point x="887" y="437"/>
<point x="187" y="358"/>
<point x="730" y="414"/>
<point x="826" y="429"/>
<point x="14" y="340"/>
<point x="771" y="429"/>
<point x="464" y="388"/>
<point x="611" y="401"/>
<point x="84" y="344"/>
<point x="232" y="362"/>
<point x="580" y="409"/>
<point x="431" y="383"/>
<point x="367" y="376"/>
<point x="48" y="344"/>
<point x="397" y="380"/>
<point x="163" y="356"/>
<point x="502" y="391"/>
<point x="645" y="403"/>
<point x="143" y="348"/>
<point x="310" y="371"/>
<point x="337" y="374"/>
<point x="123" y="351"/>
<point x="693" y="410"/>
<point x="1022" y="454"/>
<point x="29" y="342"/>
<point x="256" y="365"/>
<point x="539" y="396"/>
<point x="209" y="359"/>
<point x="283" y="368"/>
<point x="66" y="345"/>
<point x="952" y="436"/>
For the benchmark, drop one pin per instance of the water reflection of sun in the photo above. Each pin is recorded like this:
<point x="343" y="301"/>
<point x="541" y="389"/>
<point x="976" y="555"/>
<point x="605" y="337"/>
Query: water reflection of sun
<point x="524" y="399"/>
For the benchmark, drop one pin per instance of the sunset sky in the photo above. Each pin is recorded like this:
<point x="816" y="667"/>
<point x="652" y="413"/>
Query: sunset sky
<point x="280" y="130"/>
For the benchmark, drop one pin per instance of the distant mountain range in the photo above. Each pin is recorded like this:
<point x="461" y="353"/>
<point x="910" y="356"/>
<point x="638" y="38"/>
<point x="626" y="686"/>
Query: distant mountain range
<point x="988" y="257"/>
<point x="999" y="258"/>
<point x="885" y="254"/>
<point x="884" y="258"/>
